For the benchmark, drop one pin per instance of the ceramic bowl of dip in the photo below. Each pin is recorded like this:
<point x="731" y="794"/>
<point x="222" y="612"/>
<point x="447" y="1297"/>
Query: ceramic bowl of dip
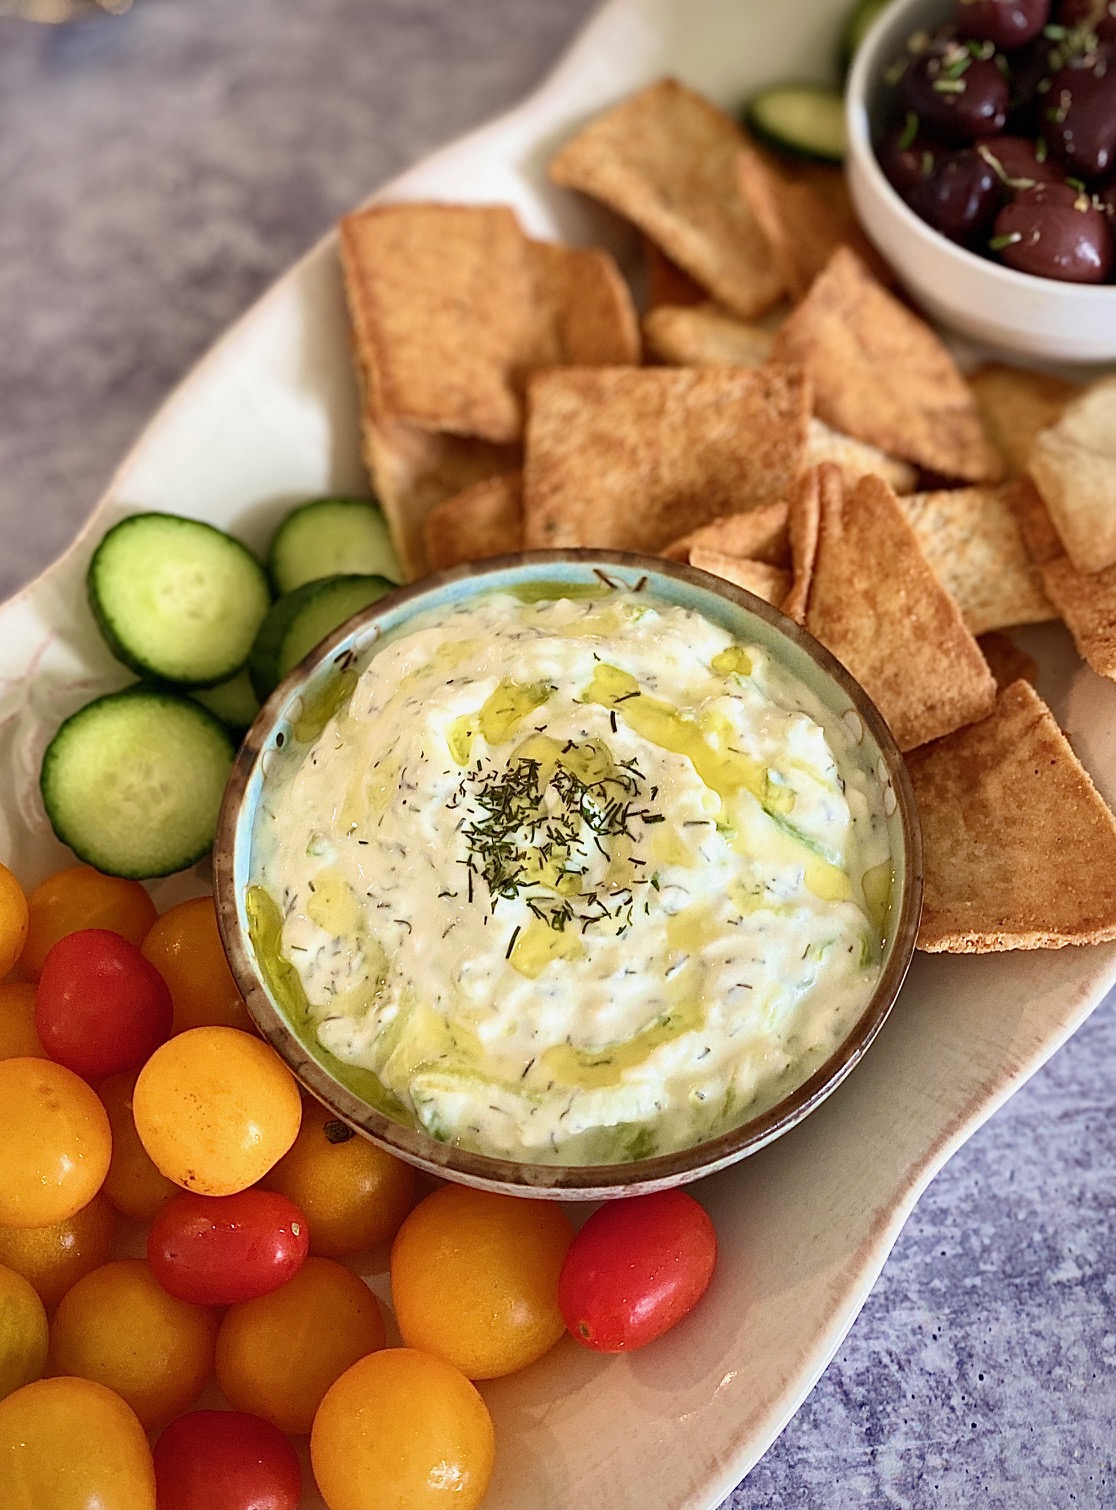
<point x="531" y="922"/>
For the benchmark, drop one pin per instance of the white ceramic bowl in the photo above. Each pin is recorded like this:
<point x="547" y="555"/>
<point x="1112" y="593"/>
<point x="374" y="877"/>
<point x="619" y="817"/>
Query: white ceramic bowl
<point x="1024" y="316"/>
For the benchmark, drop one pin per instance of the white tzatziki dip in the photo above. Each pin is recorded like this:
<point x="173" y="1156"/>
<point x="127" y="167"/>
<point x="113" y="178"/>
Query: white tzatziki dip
<point x="578" y="880"/>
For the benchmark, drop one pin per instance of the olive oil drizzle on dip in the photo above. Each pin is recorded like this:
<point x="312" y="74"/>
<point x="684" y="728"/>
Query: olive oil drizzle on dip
<point x="576" y="879"/>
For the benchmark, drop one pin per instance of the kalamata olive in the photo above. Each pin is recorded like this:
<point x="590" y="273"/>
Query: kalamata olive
<point x="906" y="159"/>
<point x="1030" y="70"/>
<point x="1080" y="114"/>
<point x="1019" y="161"/>
<point x="960" y="197"/>
<point x="1106" y="198"/>
<point x="957" y="95"/>
<point x="1006" y="23"/>
<point x="1096" y="16"/>
<point x="1054" y="231"/>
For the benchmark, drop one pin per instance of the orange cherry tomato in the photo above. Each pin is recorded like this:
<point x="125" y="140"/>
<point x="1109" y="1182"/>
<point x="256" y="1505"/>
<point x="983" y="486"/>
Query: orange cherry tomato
<point x="56" y="1142"/>
<point x="13" y="920"/>
<point x="23" y="1333"/>
<point x="78" y="898"/>
<point x="185" y="947"/>
<point x="133" y="1185"/>
<point x="215" y="1109"/>
<point x="402" y="1429"/>
<point x="277" y="1355"/>
<point x="119" y="1327"/>
<point x="474" y="1279"/>
<point x="54" y="1258"/>
<point x="69" y="1444"/>
<point x="19" y="1037"/>
<point x="353" y="1193"/>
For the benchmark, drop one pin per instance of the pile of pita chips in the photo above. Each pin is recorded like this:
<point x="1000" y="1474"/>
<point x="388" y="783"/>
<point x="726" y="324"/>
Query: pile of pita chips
<point x="485" y="520"/>
<point x="1015" y="404"/>
<point x="704" y="335"/>
<point x="1073" y="465"/>
<point x="758" y="534"/>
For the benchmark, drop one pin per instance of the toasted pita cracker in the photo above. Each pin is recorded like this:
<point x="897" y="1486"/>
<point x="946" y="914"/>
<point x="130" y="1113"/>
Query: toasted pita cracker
<point x="704" y="335"/>
<point x="874" y="601"/>
<point x="803" y="520"/>
<point x="413" y="471"/>
<point x="1006" y="661"/>
<point x="666" y="160"/>
<point x="771" y="583"/>
<point x="485" y="520"/>
<point x="1015" y="405"/>
<point x="585" y="308"/>
<point x="666" y="282"/>
<point x="882" y="375"/>
<point x="1073" y="465"/>
<point x="971" y="538"/>
<point x="635" y="457"/>
<point x="1019" y="848"/>
<point x="759" y="534"/>
<point x="856" y="459"/>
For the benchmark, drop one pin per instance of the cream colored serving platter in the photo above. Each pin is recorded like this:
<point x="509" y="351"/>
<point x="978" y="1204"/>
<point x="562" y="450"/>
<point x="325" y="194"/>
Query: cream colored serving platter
<point x="269" y="418"/>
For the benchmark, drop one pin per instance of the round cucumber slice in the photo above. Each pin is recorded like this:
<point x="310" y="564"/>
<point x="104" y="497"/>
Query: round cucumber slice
<point x="801" y="120"/>
<point x="233" y="702"/>
<point x="330" y="537"/>
<point x="302" y="619"/>
<point x="856" y="28"/>
<point x="133" y="782"/>
<point x="177" y="600"/>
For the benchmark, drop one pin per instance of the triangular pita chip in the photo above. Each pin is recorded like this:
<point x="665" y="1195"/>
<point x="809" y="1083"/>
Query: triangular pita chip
<point x="874" y="601"/>
<point x="666" y="282"/>
<point x="971" y="538"/>
<point x="1006" y="661"/>
<point x="585" y="307"/>
<point x="770" y="583"/>
<point x="856" y="459"/>
<point x="1073" y="465"/>
<point x="1019" y="848"/>
<point x="665" y="159"/>
<point x="632" y="458"/>
<point x="882" y="375"/>
<point x="704" y="335"/>
<point x="485" y="520"/>
<point x="1015" y="404"/>
<point x="803" y="521"/>
<point x="758" y="534"/>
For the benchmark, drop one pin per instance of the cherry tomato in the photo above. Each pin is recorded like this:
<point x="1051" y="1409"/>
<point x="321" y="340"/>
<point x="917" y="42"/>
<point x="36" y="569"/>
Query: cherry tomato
<point x="402" y="1429"/>
<point x="54" y="1258"/>
<point x="56" y="1141"/>
<point x="185" y="948"/>
<point x="101" y="1008"/>
<point x="635" y="1269"/>
<point x="215" y="1109"/>
<point x="218" y="1250"/>
<point x="78" y="898"/>
<point x="133" y="1184"/>
<point x="24" y="1334"/>
<point x="70" y="1444"/>
<point x="354" y="1194"/>
<point x="277" y="1356"/>
<point x="19" y="1037"/>
<point x="119" y="1327"/>
<point x="226" y="1460"/>
<point x="474" y="1279"/>
<point x="13" y="920"/>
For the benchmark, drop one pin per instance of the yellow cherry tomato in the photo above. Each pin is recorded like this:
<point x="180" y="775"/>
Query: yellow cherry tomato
<point x="69" y="1444"/>
<point x="13" y="920"/>
<point x="19" y="1037"/>
<point x="53" y="1258"/>
<point x="119" y="1327"/>
<point x="23" y="1333"/>
<point x="82" y="897"/>
<point x="56" y="1143"/>
<point x="353" y="1193"/>
<point x="402" y="1431"/>
<point x="215" y="1109"/>
<point x="474" y="1279"/>
<point x="133" y="1185"/>
<point x="277" y="1355"/>
<point x="185" y="947"/>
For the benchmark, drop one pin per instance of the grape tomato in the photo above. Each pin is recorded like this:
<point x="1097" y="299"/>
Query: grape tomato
<point x="226" y="1460"/>
<point x="101" y="1008"/>
<point x="218" y="1250"/>
<point x="79" y="898"/>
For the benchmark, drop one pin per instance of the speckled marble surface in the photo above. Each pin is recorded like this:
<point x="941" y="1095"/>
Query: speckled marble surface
<point x="155" y="173"/>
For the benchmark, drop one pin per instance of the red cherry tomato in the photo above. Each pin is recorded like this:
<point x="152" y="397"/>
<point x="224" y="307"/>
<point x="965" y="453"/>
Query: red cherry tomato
<point x="225" y="1460"/>
<point x="635" y="1269"/>
<point x="101" y="1007"/>
<point x="216" y="1250"/>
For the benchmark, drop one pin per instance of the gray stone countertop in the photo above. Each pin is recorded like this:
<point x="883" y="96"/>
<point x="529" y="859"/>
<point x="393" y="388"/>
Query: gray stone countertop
<point x="156" y="172"/>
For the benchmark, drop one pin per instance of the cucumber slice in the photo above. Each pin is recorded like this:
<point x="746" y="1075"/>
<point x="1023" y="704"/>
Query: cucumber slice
<point x="133" y="782"/>
<point x="329" y="537"/>
<point x="803" y="120"/>
<point x="302" y="619"/>
<point x="176" y="599"/>
<point x="233" y="702"/>
<point x="856" y="29"/>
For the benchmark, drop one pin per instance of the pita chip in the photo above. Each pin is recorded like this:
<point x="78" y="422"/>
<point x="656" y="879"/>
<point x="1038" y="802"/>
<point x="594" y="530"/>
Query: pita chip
<point x="665" y="159"/>
<point x="704" y="335"/>
<point x="1073" y="465"/>
<point x="874" y="601"/>
<point x="585" y="308"/>
<point x="1015" y="405"/>
<point x="1006" y="661"/>
<point x="972" y="539"/>
<point x="633" y="458"/>
<point x="856" y="459"/>
<point x="485" y="520"/>
<point x="771" y="583"/>
<point x="1019" y="847"/>
<point x="666" y="282"/>
<point x="758" y="534"/>
<point x="803" y="523"/>
<point x="882" y="375"/>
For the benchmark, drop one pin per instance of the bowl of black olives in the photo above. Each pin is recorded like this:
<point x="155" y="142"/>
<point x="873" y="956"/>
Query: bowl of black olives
<point x="982" y="159"/>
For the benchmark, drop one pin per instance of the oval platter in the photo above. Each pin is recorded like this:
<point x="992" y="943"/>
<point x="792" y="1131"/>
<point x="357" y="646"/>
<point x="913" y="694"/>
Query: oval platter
<point x="268" y="418"/>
